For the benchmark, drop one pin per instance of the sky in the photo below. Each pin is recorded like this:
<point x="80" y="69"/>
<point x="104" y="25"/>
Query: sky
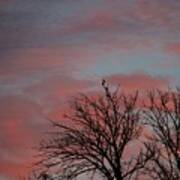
<point x="52" y="49"/>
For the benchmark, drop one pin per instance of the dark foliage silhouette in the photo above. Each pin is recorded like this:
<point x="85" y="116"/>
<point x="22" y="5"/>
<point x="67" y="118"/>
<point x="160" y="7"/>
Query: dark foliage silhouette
<point x="94" y="137"/>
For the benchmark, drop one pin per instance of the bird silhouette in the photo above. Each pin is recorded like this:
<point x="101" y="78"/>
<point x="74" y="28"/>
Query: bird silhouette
<point x="103" y="82"/>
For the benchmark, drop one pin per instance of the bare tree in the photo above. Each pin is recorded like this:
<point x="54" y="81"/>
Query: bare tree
<point x="162" y="114"/>
<point x="94" y="137"/>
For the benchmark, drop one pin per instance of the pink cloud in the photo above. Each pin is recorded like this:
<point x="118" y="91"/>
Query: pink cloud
<point x="137" y="81"/>
<point x="65" y="59"/>
<point x="92" y="21"/>
<point x="58" y="87"/>
<point x="15" y="170"/>
<point x="115" y="17"/>
<point x="156" y="12"/>
<point x="173" y="48"/>
<point x="152" y="12"/>
<point x="21" y="128"/>
<point x="23" y="120"/>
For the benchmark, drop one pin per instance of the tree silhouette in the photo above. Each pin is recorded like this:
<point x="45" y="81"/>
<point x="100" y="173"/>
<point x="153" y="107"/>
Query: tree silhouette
<point x="162" y="114"/>
<point x="94" y="138"/>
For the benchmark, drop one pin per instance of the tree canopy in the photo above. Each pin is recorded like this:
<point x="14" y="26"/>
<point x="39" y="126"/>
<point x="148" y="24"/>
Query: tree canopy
<point x="103" y="135"/>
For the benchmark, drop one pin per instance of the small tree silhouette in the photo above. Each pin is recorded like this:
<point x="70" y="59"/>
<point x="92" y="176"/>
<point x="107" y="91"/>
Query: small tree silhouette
<point x="162" y="114"/>
<point x="95" y="137"/>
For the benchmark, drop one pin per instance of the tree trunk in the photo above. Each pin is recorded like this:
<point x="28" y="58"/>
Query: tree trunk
<point x="118" y="175"/>
<point x="119" y="178"/>
<point x="178" y="163"/>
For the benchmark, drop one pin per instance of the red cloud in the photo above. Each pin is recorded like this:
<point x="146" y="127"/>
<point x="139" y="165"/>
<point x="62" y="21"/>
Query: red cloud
<point x="13" y="170"/>
<point x="137" y="81"/>
<point x="64" y="58"/>
<point x="173" y="48"/>
<point x="21" y="127"/>
<point x="23" y="121"/>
